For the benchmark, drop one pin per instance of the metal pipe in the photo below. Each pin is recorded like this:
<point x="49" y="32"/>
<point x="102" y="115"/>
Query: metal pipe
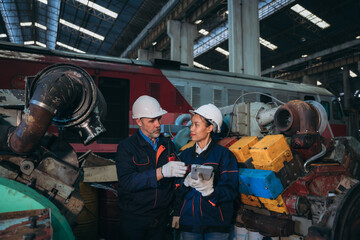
<point x="313" y="158"/>
<point x="295" y="117"/>
<point x="66" y="95"/>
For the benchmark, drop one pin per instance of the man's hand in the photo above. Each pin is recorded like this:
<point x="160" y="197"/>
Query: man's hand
<point x="175" y="222"/>
<point x="174" y="169"/>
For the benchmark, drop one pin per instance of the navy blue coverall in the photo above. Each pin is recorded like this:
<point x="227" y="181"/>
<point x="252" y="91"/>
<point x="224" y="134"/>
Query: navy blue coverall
<point x="144" y="202"/>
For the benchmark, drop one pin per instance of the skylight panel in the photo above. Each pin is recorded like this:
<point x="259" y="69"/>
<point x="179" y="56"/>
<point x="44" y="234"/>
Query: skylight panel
<point x="99" y="8"/>
<point x="199" y="65"/>
<point x="223" y="51"/>
<point x="83" y="30"/>
<point x="267" y="44"/>
<point x="69" y="47"/>
<point x="310" y="16"/>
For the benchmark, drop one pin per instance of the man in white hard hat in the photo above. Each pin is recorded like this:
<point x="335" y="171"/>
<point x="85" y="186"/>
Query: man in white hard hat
<point x="146" y="175"/>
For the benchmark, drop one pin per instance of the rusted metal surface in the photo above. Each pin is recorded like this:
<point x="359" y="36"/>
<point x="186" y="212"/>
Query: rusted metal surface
<point x="318" y="182"/>
<point x="268" y="225"/>
<point x="295" y="117"/>
<point x="31" y="129"/>
<point x="31" y="224"/>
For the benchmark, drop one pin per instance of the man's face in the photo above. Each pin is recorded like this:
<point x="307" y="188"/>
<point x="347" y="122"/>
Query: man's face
<point x="150" y="126"/>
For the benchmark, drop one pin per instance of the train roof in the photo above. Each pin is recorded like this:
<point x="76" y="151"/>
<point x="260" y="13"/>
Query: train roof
<point x="174" y="70"/>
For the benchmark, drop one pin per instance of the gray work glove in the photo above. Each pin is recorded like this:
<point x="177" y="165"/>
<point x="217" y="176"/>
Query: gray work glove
<point x="174" y="169"/>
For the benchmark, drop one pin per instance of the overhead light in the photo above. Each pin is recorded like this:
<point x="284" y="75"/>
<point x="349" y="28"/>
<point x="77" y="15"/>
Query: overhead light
<point x="40" y="26"/>
<point x="310" y="16"/>
<point x="203" y="32"/>
<point x="43" y="1"/>
<point x="29" y="42"/>
<point x="154" y="43"/>
<point x="318" y="83"/>
<point x="341" y="94"/>
<point x="29" y="24"/>
<point x="25" y="24"/>
<point x="69" y="47"/>
<point x="3" y="35"/>
<point x="358" y="37"/>
<point x="199" y="65"/>
<point x="198" y="21"/>
<point x="272" y="66"/>
<point x="304" y="55"/>
<point x="223" y="51"/>
<point x="99" y="8"/>
<point x="267" y="44"/>
<point x="83" y="30"/>
<point x="342" y="68"/>
<point x="227" y="12"/>
<point x="352" y="74"/>
<point x="40" y="44"/>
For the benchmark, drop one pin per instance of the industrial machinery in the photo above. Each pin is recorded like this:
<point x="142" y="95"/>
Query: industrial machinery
<point x="293" y="181"/>
<point x="47" y="167"/>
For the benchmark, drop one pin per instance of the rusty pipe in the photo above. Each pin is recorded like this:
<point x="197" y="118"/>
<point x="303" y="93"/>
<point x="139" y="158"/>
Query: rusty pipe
<point x="65" y="95"/>
<point x="295" y="117"/>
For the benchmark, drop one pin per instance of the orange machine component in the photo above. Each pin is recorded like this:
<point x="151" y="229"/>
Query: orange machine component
<point x="250" y="200"/>
<point x="241" y="148"/>
<point x="270" y="153"/>
<point x="276" y="205"/>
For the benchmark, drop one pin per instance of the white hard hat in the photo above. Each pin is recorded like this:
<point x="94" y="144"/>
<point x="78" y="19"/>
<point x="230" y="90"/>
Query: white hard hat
<point x="146" y="106"/>
<point x="211" y="113"/>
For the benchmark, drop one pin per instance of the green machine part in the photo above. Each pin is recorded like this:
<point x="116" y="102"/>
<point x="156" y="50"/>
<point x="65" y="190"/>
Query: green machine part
<point x="19" y="197"/>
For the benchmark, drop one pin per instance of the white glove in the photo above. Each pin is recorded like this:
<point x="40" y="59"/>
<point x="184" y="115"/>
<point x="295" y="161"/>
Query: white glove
<point x="205" y="187"/>
<point x="175" y="222"/>
<point x="174" y="169"/>
<point x="188" y="181"/>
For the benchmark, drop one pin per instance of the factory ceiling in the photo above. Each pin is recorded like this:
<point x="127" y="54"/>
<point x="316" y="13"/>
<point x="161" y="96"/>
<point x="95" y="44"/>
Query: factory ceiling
<point x="298" y="37"/>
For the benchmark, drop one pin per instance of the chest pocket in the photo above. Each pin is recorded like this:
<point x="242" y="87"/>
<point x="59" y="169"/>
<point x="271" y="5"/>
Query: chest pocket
<point x="141" y="160"/>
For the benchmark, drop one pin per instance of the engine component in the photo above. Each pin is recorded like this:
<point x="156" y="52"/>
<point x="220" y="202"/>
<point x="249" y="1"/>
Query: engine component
<point x="67" y="96"/>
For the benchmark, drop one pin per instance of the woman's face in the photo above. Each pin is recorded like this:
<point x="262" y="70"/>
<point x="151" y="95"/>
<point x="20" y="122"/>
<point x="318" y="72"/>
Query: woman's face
<point x="199" y="129"/>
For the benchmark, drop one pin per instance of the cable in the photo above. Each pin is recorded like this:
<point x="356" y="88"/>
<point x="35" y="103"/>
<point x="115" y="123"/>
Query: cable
<point x="232" y="112"/>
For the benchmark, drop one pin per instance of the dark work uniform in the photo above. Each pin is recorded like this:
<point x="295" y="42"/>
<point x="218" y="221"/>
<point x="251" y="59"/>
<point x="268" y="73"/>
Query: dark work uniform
<point x="144" y="202"/>
<point x="212" y="213"/>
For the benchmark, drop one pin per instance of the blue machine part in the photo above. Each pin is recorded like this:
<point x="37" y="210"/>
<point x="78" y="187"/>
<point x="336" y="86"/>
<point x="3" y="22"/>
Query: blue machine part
<point x="259" y="183"/>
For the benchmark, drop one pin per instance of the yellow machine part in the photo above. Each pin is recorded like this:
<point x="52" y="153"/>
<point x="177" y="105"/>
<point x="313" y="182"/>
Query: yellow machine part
<point x="241" y="148"/>
<point x="188" y="145"/>
<point x="276" y="205"/>
<point x="270" y="153"/>
<point x="250" y="200"/>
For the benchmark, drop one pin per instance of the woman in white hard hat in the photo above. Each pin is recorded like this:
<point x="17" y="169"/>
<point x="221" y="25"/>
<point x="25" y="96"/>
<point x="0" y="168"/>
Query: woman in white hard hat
<point x="204" y="208"/>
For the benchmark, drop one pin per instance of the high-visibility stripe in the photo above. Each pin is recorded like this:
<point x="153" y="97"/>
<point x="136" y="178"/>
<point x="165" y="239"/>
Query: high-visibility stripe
<point x="235" y="171"/>
<point x="213" y="204"/>
<point x="221" y="213"/>
<point x="158" y="153"/>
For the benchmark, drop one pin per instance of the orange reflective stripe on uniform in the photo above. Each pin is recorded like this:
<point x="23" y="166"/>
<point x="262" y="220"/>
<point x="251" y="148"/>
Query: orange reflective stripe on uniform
<point x="158" y="153"/>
